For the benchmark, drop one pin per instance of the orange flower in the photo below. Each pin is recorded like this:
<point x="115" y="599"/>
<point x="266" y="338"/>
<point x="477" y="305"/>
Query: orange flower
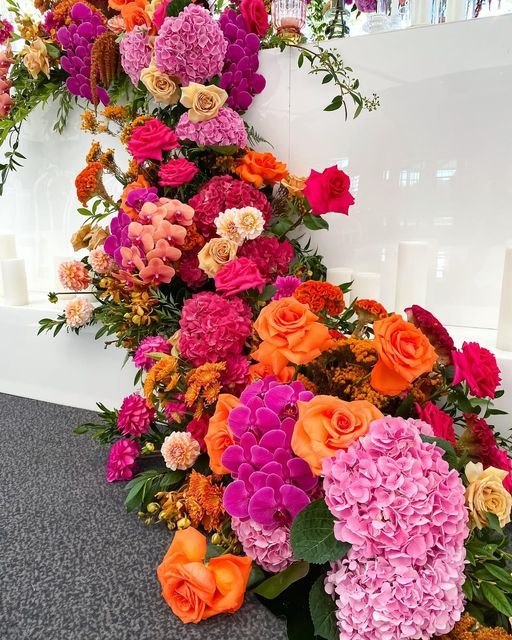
<point x="134" y="15"/>
<point x="290" y="333"/>
<point x="261" y="168"/>
<point x="140" y="183"/>
<point x="260" y="370"/>
<point x="219" y="436"/>
<point x="196" y="591"/>
<point x="404" y="354"/>
<point x="327" y="424"/>
<point x="89" y="183"/>
<point x="321" y="296"/>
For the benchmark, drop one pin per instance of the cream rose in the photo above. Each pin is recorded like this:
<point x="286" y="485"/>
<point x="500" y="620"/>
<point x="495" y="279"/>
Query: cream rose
<point x="294" y="184"/>
<point x="35" y="58"/>
<point x="164" y="89"/>
<point x="486" y="494"/>
<point x="202" y="102"/>
<point x="215" y="254"/>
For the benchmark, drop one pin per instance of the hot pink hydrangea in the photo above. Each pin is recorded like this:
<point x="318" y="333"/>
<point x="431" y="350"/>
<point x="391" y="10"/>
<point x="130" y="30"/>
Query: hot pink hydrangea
<point x="122" y="458"/>
<point x="189" y="271"/>
<point x="221" y="193"/>
<point x="227" y="128"/>
<point x="134" y="417"/>
<point x="135" y="52"/>
<point x="237" y="372"/>
<point x="151" y="344"/>
<point x="478" y="367"/>
<point x="213" y="327"/>
<point x="268" y="546"/>
<point x="270" y="256"/>
<point x="190" y="46"/>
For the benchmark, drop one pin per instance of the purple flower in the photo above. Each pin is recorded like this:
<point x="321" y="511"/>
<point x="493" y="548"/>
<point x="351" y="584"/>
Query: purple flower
<point x="135" y="53"/>
<point x="285" y="286"/>
<point x="137" y="198"/>
<point x="227" y="128"/>
<point x="121" y="460"/>
<point x="151" y="344"/>
<point x="118" y="236"/>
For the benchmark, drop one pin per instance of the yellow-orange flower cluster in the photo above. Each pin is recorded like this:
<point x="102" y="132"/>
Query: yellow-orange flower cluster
<point x="321" y="296"/>
<point x="193" y="239"/>
<point x="469" y="629"/>
<point x="164" y="375"/>
<point x="203" y="386"/>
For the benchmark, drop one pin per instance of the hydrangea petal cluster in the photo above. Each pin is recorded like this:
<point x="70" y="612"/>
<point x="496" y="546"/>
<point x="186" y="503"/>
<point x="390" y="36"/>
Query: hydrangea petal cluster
<point x="78" y="313"/>
<point x="190" y="272"/>
<point x="269" y="547"/>
<point x="270" y="256"/>
<point x="213" y="327"/>
<point x="77" y="40"/>
<point x="227" y="128"/>
<point x="239" y="76"/>
<point x="221" y="193"/>
<point x="478" y="367"/>
<point x="122" y="458"/>
<point x="190" y="46"/>
<point x="135" y="417"/>
<point x="73" y="275"/>
<point x="135" y="49"/>
<point x="437" y="335"/>
<point x="151" y="344"/>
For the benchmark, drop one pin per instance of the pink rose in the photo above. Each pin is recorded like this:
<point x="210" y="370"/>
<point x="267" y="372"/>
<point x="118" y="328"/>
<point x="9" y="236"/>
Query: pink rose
<point x="177" y="172"/>
<point x="477" y="366"/>
<point x="238" y="275"/>
<point x="441" y="422"/>
<point x="197" y="429"/>
<point x="255" y="16"/>
<point x="328" y="191"/>
<point x="160" y="13"/>
<point x="5" y="104"/>
<point x="150" y="139"/>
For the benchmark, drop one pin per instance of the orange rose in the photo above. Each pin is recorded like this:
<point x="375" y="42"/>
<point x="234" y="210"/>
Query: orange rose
<point x="260" y="370"/>
<point x="140" y="183"/>
<point x="290" y="333"/>
<point x="261" y="168"/>
<point x="327" y="424"/>
<point x="134" y="15"/>
<point x="404" y="354"/>
<point x="194" y="590"/>
<point x="219" y="436"/>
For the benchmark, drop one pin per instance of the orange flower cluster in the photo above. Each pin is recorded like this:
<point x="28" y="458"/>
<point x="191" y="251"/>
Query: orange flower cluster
<point x="261" y="169"/>
<point x="219" y="436"/>
<point x="203" y="502"/>
<point x="469" y="629"/>
<point x="62" y="9"/>
<point x="193" y="239"/>
<point x="203" y="386"/>
<point x="164" y="373"/>
<point x="370" y="309"/>
<point x="116" y="112"/>
<point x="321" y="296"/>
<point x="89" y="183"/>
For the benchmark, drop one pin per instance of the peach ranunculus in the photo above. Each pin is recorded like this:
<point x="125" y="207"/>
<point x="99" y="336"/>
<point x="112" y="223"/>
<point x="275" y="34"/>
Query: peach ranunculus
<point x="165" y="89"/>
<point x="404" y="354"/>
<point x="261" y="169"/>
<point x="35" y="58"/>
<point x="216" y="253"/>
<point x="196" y="591"/>
<point x="202" y="102"/>
<point x="327" y="424"/>
<point x="219" y="437"/>
<point x="486" y="494"/>
<point x="290" y="332"/>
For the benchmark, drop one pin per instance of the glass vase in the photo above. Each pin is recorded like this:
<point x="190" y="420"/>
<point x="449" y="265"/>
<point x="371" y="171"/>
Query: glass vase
<point x="288" y="18"/>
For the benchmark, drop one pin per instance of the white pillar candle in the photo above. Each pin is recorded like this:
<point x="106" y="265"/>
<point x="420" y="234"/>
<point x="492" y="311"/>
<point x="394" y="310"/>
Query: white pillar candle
<point x="504" y="340"/>
<point x="421" y="12"/>
<point x="455" y="10"/>
<point x="7" y="251"/>
<point x="14" y="279"/>
<point x="340" y="275"/>
<point x="412" y="271"/>
<point x="366" y="286"/>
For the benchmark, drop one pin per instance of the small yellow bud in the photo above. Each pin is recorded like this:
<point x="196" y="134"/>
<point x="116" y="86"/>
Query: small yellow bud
<point x="184" y="523"/>
<point x="216" y="538"/>
<point x="149" y="447"/>
<point x="141" y="514"/>
<point x="152" y="507"/>
<point x="162" y="515"/>
<point x="171" y="525"/>
<point x="140" y="311"/>
<point x="148" y="521"/>
<point x="136" y="320"/>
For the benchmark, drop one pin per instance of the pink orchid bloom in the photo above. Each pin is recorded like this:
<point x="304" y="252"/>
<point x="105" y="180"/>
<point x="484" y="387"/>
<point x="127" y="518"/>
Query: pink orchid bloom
<point x="131" y="259"/>
<point x="5" y="104"/>
<point x="164" y="251"/>
<point x="184" y="215"/>
<point x="156" y="272"/>
<point x="173" y="233"/>
<point x="142" y="235"/>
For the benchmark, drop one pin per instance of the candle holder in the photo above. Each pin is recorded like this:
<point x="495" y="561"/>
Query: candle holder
<point x="288" y="18"/>
<point x="336" y="18"/>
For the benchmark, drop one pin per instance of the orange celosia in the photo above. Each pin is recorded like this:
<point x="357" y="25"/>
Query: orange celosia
<point x="321" y="296"/>
<point x="370" y="308"/>
<point x="261" y="169"/>
<point x="140" y="183"/>
<point x="134" y="15"/>
<point x="219" y="436"/>
<point x="204" y="385"/>
<point x="89" y="183"/>
<point x="203" y="502"/>
<point x="260" y="370"/>
<point x="193" y="239"/>
<point x="195" y="590"/>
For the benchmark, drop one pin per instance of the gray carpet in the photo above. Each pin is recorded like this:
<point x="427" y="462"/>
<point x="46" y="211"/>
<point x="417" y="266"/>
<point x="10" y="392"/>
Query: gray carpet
<point x="73" y="564"/>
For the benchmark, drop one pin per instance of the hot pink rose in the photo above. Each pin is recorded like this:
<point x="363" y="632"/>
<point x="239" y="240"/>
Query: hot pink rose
<point x="150" y="139"/>
<point x="160" y="13"/>
<point x="441" y="422"/>
<point x="238" y="275"/>
<point x="5" y="104"/>
<point x="477" y="366"/>
<point x="197" y="429"/>
<point x="328" y="191"/>
<point x="176" y="172"/>
<point x="255" y="16"/>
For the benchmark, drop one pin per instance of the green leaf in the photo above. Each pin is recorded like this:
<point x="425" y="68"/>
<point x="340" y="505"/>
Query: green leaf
<point x="300" y="60"/>
<point x="314" y="223"/>
<point x="256" y="577"/>
<point x="276" y="584"/>
<point x="282" y="226"/>
<point x="323" y="611"/>
<point x="80" y="430"/>
<point x="493" y="522"/>
<point x="449" y="452"/>
<point x="312" y="535"/>
<point x="405" y="407"/>
<point x="327" y="78"/>
<point x="177" y="7"/>
<point x="134" y="497"/>
<point x="467" y="588"/>
<point x="501" y="574"/>
<point x="495" y="596"/>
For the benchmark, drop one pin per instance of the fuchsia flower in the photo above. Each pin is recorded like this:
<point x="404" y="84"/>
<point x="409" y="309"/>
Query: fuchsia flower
<point x="270" y="256"/>
<point x="122" y="458"/>
<point x="135" y="417"/>
<point x="227" y="128"/>
<point x="285" y="286"/>
<point x="6" y="30"/>
<point x="269" y="547"/>
<point x="176" y="172"/>
<point x="255" y="16"/>
<point x="175" y="411"/>
<point x="237" y="276"/>
<point x="437" y="335"/>
<point x="151" y="344"/>
<point x="328" y="191"/>
<point x="478" y="367"/>
<point x="149" y="140"/>
<point x="441" y="422"/>
<point x="197" y="429"/>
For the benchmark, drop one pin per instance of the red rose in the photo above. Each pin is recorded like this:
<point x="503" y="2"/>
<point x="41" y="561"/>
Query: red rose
<point x="177" y="172"/>
<point x="197" y="429"/>
<point x="328" y="191"/>
<point x="255" y="16"/>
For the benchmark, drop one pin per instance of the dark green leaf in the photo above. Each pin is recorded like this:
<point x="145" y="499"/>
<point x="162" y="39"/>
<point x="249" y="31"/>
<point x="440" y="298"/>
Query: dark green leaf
<point x="323" y="611"/>
<point x="468" y="589"/>
<point x="495" y="596"/>
<point x="493" y="522"/>
<point x="300" y="60"/>
<point x="256" y="576"/>
<point x="276" y="584"/>
<point x="177" y="7"/>
<point x="501" y="574"/>
<point x="449" y="452"/>
<point x="327" y="78"/>
<point x="314" y="223"/>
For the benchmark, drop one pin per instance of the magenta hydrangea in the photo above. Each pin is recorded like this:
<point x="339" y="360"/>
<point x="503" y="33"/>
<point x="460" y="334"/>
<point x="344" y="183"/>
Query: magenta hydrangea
<point x="189" y="271"/>
<point x="227" y="128"/>
<point x="213" y="328"/>
<point x="134" y="417"/>
<point x="122" y="459"/>
<point x="135" y="52"/>
<point x="6" y="30"/>
<point x="151" y="344"/>
<point x="270" y="256"/>
<point x="190" y="46"/>
<point x="269" y="547"/>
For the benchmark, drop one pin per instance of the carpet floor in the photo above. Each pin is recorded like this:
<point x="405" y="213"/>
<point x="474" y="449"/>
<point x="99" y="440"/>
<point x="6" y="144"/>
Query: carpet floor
<point x="73" y="564"/>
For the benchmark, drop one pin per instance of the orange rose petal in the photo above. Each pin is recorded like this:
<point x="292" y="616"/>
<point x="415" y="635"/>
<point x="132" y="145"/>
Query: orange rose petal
<point x="387" y="381"/>
<point x="189" y="543"/>
<point x="231" y="576"/>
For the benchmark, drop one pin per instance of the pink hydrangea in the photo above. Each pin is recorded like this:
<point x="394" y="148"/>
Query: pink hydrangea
<point x="122" y="458"/>
<point x="135" y="52"/>
<point x="213" y="327"/>
<point x="478" y="367"/>
<point x="135" y="417"/>
<point x="227" y="128"/>
<point x="190" y="46"/>
<point x="151" y="344"/>
<point x="268" y="546"/>
<point x="221" y="193"/>
<point x="270" y="256"/>
<point x="189" y="271"/>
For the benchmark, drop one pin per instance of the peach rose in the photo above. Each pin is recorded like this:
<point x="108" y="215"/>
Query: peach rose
<point x="260" y="370"/>
<point x="219" y="437"/>
<point x="215" y="254"/>
<point x="261" y="168"/>
<point x="290" y="332"/>
<point x="404" y="354"/>
<point x="35" y="58"/>
<point x="196" y="591"/>
<point x="294" y="184"/>
<point x="202" y="102"/>
<point x="164" y="89"/>
<point x="327" y="424"/>
<point x="486" y="494"/>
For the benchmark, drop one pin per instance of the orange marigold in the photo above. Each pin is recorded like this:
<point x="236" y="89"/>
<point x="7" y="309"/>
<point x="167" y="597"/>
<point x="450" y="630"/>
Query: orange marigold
<point x="116" y="112"/>
<point x="321" y="296"/>
<point x="261" y="169"/>
<point x="162" y="374"/>
<point x="203" y="502"/>
<point x="204" y="385"/>
<point x="89" y="183"/>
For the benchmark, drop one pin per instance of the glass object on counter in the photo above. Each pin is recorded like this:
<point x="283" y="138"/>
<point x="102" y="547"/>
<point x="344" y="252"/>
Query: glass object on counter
<point x="390" y="14"/>
<point x="336" y="19"/>
<point x="288" y="18"/>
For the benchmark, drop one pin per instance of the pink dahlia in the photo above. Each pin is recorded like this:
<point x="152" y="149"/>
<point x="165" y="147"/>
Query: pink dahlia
<point x="227" y="128"/>
<point x="121" y="460"/>
<point x="135" y="417"/>
<point x="151" y="344"/>
<point x="221" y="193"/>
<point x="270" y="256"/>
<point x="441" y="422"/>
<point x="190" y="46"/>
<point x="267" y="546"/>
<point x="437" y="335"/>
<point x="78" y="313"/>
<point x="213" y="327"/>
<point x="74" y="275"/>
<point x="478" y="367"/>
<point x="189" y="271"/>
<point x="180" y="451"/>
<point x="100" y="261"/>
<point x="135" y="51"/>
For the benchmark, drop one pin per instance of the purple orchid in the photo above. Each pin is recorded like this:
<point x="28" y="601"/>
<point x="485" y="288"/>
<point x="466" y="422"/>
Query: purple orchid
<point x="137" y="198"/>
<point x="118" y="236"/>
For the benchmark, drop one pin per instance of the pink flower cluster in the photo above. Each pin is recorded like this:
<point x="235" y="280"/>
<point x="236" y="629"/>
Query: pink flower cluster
<point x="5" y="84"/>
<point x="269" y="547"/>
<point x="135" y="417"/>
<point x="478" y="367"/>
<point x="190" y="46"/>
<point x="270" y="256"/>
<point x="149" y="140"/>
<point x="227" y="128"/>
<point x="441" y="422"/>
<point x="155" y="238"/>
<point x="135" y="52"/>
<point x="122" y="459"/>
<point x="189" y="271"/>
<point x="151" y="344"/>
